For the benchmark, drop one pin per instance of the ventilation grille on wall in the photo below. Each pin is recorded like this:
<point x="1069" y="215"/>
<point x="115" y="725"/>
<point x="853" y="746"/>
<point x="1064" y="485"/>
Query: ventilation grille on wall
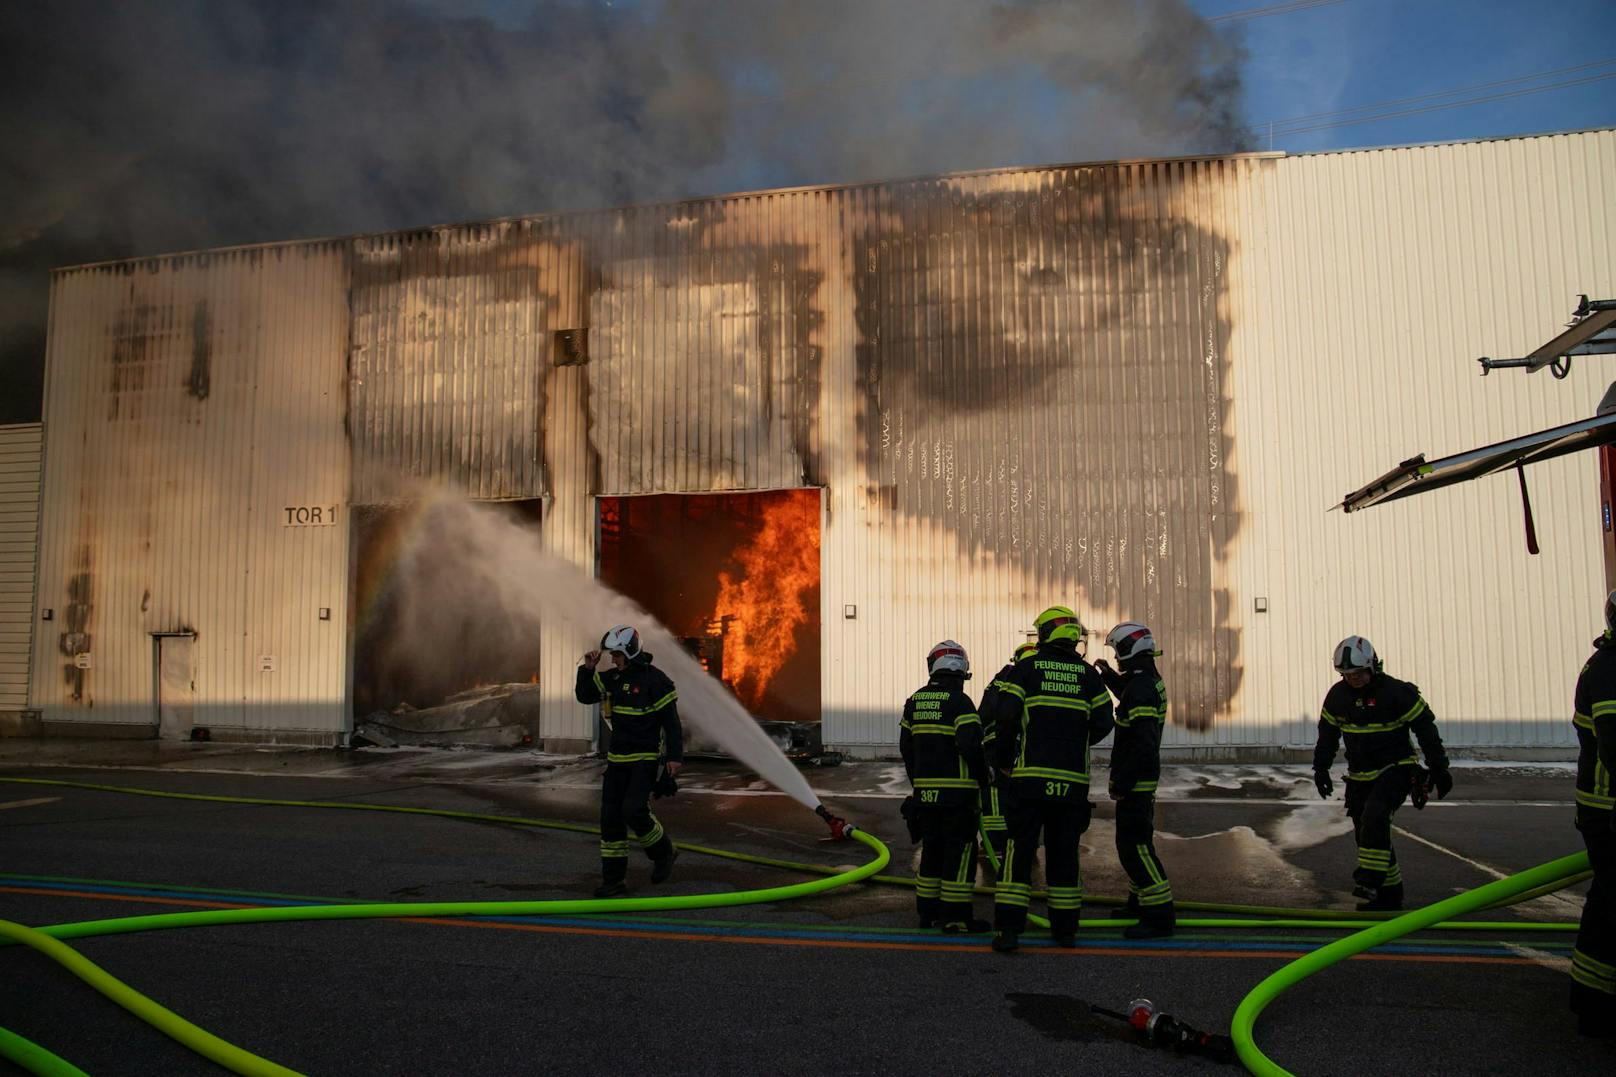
<point x="571" y="347"/>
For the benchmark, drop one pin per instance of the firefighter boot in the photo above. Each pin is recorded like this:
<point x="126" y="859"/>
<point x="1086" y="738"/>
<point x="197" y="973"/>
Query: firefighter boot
<point x="1006" y="941"/>
<point x="1379" y="898"/>
<point x="967" y="926"/>
<point x="662" y="866"/>
<point x="1156" y="923"/>
<point x="610" y="888"/>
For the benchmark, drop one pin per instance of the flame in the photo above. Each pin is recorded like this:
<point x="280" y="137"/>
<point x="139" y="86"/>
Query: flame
<point x="767" y="596"/>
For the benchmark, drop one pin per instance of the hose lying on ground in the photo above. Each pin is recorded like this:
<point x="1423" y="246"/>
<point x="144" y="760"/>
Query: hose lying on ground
<point x="1553" y="875"/>
<point x="47" y="940"/>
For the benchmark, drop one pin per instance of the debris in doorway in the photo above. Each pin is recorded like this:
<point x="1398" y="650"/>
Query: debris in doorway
<point x="489" y="716"/>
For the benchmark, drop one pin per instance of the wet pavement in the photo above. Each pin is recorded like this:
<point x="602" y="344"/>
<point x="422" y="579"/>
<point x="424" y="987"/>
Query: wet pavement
<point x="839" y="982"/>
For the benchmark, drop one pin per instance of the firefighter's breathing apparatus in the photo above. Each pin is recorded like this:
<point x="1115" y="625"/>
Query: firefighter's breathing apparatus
<point x="1158" y="1029"/>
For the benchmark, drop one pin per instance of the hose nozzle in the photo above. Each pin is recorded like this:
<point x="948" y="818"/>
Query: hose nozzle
<point x="840" y="829"/>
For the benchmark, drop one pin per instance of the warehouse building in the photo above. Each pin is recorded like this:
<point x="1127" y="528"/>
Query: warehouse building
<point x="815" y="431"/>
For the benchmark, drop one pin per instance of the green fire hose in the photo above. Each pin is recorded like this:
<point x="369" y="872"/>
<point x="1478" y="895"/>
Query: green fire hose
<point x="1554" y="874"/>
<point x="1376" y="931"/>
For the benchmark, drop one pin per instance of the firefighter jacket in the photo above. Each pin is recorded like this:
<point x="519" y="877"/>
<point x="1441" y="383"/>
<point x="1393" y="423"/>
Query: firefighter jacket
<point x="1054" y="707"/>
<point x="644" y="710"/>
<point x="940" y="739"/>
<point x="1141" y="713"/>
<point x="1595" y="719"/>
<point x="1375" y="722"/>
<point x="993" y="698"/>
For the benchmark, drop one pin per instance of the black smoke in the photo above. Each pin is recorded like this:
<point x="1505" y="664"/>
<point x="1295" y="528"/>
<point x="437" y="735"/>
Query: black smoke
<point x="136" y="127"/>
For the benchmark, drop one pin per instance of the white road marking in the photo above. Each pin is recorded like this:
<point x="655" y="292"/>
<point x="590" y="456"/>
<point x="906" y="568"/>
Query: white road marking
<point x="1558" y="903"/>
<point x="1561" y="965"/>
<point x="27" y="803"/>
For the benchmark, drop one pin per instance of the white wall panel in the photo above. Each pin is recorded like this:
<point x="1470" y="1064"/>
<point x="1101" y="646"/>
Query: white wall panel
<point x="163" y="501"/>
<point x="1369" y="284"/>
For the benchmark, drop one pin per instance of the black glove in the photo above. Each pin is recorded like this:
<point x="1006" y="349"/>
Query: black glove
<point x="1442" y="781"/>
<point x="664" y="786"/>
<point x="911" y="818"/>
<point x="1322" y="782"/>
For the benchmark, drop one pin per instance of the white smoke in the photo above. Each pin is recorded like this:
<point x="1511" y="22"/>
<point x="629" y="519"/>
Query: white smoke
<point x="480" y="570"/>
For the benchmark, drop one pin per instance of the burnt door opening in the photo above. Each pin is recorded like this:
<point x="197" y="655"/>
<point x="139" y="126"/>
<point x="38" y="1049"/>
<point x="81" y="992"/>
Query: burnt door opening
<point x="434" y="661"/>
<point x="176" y="686"/>
<point x="736" y="578"/>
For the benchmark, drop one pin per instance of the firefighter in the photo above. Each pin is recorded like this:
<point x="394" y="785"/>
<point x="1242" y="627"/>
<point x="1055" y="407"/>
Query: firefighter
<point x="993" y="825"/>
<point x="1135" y="772"/>
<point x="1057" y="707"/>
<point x="645" y="739"/>
<point x="1593" y="962"/>
<point x="940" y="739"/>
<point x="1375" y="713"/>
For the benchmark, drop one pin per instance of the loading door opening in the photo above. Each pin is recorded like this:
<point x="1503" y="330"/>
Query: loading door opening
<point x="736" y="578"/>
<point x="432" y="663"/>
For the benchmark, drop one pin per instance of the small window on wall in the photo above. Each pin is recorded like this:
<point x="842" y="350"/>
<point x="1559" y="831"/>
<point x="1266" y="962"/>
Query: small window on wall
<point x="736" y="577"/>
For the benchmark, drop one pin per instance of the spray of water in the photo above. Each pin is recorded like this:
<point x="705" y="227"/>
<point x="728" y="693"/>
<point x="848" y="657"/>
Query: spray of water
<point x="473" y="576"/>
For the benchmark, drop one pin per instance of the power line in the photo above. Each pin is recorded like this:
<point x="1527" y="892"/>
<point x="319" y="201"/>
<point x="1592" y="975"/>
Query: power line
<point x="1448" y="104"/>
<point x="1309" y="118"/>
<point x="1271" y="9"/>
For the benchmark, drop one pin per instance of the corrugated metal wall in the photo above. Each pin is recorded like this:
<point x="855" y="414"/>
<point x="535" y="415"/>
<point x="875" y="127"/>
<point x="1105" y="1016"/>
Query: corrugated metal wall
<point x="1134" y="388"/>
<point x="447" y="361"/>
<point x="198" y="484"/>
<point x="19" y="534"/>
<point x="1038" y="364"/>
<point x="1367" y="285"/>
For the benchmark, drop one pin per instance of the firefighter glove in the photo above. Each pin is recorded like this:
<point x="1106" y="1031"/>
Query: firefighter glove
<point x="1442" y="781"/>
<point x="911" y="818"/>
<point x="1322" y="782"/>
<point x="665" y="785"/>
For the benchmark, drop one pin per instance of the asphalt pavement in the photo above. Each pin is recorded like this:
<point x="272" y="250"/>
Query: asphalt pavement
<point x="843" y="982"/>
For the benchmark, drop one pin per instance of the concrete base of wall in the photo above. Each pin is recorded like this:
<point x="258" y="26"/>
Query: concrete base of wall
<point x="19" y="723"/>
<point x="1269" y="754"/>
<point x="302" y="738"/>
<point x="567" y="746"/>
<point x="97" y="730"/>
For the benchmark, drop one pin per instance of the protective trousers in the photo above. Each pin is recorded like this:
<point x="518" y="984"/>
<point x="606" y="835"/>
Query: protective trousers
<point x="1593" y="962"/>
<point x="625" y="795"/>
<point x="994" y="829"/>
<point x="1136" y="849"/>
<point x="947" y="863"/>
<point x="1372" y="805"/>
<point x="1061" y="824"/>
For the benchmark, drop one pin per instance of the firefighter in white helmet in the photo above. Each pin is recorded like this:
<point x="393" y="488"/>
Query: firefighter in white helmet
<point x="940" y="738"/>
<point x="1593" y="962"/>
<point x="1141" y="712"/>
<point x="1374" y="713"/>
<point x="645" y="737"/>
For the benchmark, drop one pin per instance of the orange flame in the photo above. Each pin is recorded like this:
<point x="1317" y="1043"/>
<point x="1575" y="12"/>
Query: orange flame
<point x="767" y="596"/>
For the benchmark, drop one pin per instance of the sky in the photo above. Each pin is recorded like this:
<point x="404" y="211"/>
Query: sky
<point x="138" y="127"/>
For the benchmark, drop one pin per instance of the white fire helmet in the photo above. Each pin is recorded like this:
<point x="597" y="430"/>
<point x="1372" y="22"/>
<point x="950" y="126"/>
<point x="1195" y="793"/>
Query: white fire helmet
<point x="1355" y="653"/>
<point x="948" y="657"/>
<point x="623" y="638"/>
<point x="1130" y="638"/>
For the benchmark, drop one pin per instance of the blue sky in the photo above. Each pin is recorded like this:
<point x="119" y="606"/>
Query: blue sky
<point x="1350" y="53"/>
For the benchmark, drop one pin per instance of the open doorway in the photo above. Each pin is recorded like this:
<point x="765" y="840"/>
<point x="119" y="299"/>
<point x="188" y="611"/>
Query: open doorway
<point x="432" y="664"/>
<point x="736" y="578"/>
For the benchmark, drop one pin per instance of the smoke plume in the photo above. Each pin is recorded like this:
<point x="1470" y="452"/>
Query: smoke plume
<point x="145" y="126"/>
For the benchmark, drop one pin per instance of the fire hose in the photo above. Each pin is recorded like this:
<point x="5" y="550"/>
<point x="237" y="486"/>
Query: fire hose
<point x="1375" y="931"/>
